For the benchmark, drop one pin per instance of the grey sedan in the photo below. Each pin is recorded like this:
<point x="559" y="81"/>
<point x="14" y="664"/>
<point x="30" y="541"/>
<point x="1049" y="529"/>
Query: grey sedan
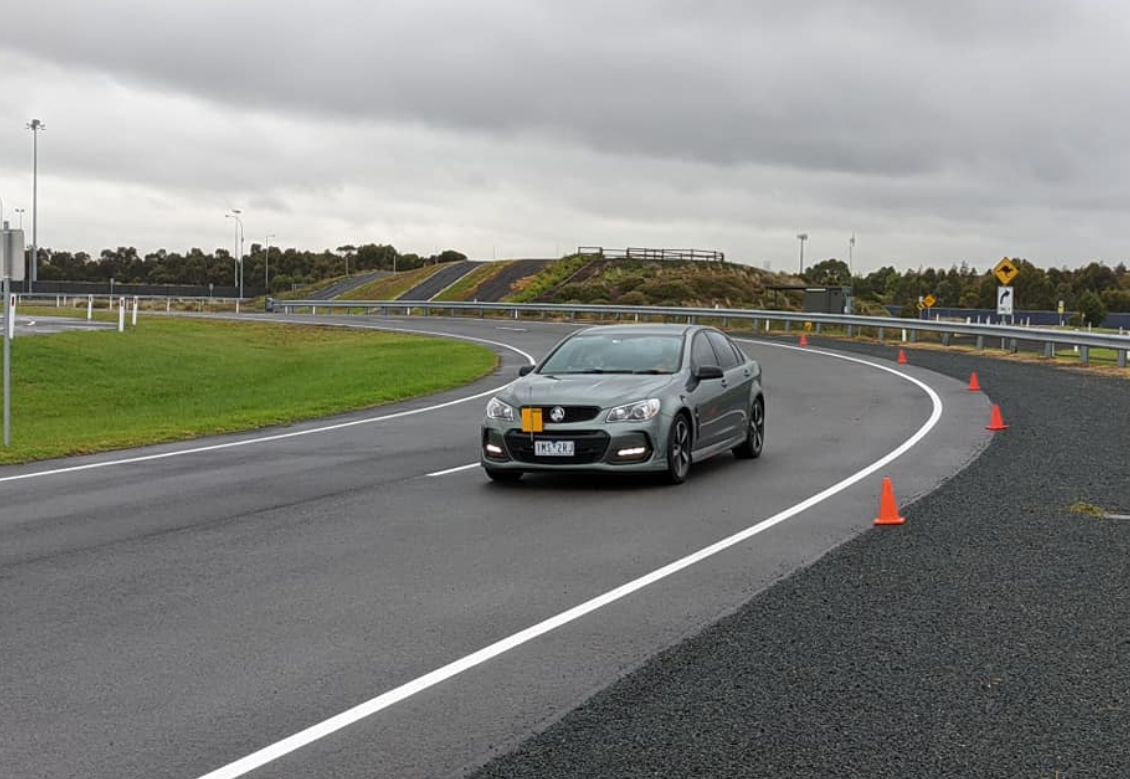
<point x="627" y="398"/>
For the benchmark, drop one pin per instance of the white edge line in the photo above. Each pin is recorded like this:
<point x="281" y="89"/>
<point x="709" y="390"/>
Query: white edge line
<point x="293" y="433"/>
<point x="453" y="470"/>
<point x="361" y="711"/>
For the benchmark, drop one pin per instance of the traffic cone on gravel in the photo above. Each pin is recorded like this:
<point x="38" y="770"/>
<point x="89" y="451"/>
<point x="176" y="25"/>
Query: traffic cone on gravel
<point x="888" y="507"/>
<point x="996" y="422"/>
<point x="803" y="339"/>
<point x="974" y="385"/>
<point x="902" y="357"/>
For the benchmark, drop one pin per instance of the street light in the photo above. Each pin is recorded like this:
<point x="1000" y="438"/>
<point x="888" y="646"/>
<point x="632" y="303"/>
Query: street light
<point x="851" y="253"/>
<point x="33" y="275"/>
<point x="267" y="264"/>
<point x="235" y="212"/>
<point x="20" y="211"/>
<point x="802" y="237"/>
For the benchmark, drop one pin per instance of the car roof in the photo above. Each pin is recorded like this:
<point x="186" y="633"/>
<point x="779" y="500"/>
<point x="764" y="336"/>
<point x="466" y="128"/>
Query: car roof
<point x="650" y="328"/>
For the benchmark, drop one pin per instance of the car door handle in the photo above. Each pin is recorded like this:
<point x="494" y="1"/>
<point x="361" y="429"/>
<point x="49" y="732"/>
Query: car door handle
<point x="724" y="384"/>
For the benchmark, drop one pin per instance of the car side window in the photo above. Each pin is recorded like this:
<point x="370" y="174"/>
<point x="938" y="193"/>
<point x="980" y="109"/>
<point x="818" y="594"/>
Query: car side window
<point x="726" y="357"/>
<point x="701" y="352"/>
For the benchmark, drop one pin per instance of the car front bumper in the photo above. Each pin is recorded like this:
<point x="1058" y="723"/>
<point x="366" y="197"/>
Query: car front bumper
<point x="612" y="448"/>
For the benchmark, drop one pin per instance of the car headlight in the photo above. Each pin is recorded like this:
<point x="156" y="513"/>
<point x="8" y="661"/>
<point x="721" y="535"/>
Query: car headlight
<point x="496" y="409"/>
<point x="639" y="411"/>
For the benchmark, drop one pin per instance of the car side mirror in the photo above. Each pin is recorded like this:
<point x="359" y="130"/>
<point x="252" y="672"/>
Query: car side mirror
<point x="525" y="369"/>
<point x="704" y="372"/>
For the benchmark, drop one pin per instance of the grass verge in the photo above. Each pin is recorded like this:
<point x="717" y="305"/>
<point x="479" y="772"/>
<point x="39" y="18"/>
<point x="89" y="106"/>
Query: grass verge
<point x="170" y="379"/>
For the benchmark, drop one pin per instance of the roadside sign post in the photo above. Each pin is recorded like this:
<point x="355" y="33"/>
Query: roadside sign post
<point x="12" y="269"/>
<point x="1006" y="272"/>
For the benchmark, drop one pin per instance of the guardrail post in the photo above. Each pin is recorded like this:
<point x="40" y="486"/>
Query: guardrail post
<point x="1049" y="349"/>
<point x="819" y="326"/>
<point x="1084" y="355"/>
<point x="980" y="343"/>
<point x="882" y="333"/>
<point x="1121" y="358"/>
<point x="851" y="331"/>
<point x="946" y="339"/>
<point x="788" y="325"/>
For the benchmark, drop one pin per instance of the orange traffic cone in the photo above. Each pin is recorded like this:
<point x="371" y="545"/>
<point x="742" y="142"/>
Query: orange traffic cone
<point x="902" y="357"/>
<point x="803" y="339"/>
<point x="974" y="385"/>
<point x="995" y="421"/>
<point x="888" y="508"/>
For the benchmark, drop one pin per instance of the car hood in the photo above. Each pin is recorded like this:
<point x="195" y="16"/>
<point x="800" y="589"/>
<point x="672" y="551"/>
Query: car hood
<point x="586" y="389"/>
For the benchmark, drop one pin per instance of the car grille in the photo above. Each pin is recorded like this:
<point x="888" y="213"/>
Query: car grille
<point x="589" y="446"/>
<point x="572" y="414"/>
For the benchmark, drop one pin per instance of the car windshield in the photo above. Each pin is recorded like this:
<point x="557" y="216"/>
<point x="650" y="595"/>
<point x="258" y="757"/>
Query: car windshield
<point x="616" y="353"/>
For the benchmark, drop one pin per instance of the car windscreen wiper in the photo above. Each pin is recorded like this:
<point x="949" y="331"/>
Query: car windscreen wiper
<point x="602" y="370"/>
<point x="653" y="372"/>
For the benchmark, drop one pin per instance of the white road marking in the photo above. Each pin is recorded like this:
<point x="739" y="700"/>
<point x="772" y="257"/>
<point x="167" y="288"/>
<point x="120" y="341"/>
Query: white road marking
<point x="457" y="469"/>
<point x="512" y="329"/>
<point x="293" y="433"/>
<point x="359" y="712"/>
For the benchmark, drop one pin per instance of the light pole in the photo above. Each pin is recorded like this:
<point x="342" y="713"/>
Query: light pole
<point x="802" y="237"/>
<point x="33" y="274"/>
<point x="267" y="264"/>
<point x="851" y="253"/>
<point x="20" y="211"/>
<point x="235" y="212"/>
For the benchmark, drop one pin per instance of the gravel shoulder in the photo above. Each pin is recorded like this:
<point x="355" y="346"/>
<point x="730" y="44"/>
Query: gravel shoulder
<point x="988" y="637"/>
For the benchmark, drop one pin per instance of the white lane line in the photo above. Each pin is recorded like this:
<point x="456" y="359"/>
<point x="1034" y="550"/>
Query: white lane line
<point x="293" y="433"/>
<point x="457" y="469"/>
<point x="512" y="329"/>
<point x="359" y="712"/>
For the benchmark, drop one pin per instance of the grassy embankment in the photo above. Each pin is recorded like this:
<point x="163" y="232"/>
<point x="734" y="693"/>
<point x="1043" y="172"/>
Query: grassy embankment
<point x="465" y="287"/>
<point x="392" y="287"/>
<point x="640" y="282"/>
<point x="173" y="379"/>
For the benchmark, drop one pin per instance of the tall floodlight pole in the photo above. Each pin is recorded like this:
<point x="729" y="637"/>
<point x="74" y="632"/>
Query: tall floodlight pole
<point x="802" y="237"/>
<point x="235" y="212"/>
<point x="267" y="264"/>
<point x="33" y="273"/>
<point x="851" y="257"/>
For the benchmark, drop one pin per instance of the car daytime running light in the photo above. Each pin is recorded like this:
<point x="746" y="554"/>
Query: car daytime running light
<point x="639" y="411"/>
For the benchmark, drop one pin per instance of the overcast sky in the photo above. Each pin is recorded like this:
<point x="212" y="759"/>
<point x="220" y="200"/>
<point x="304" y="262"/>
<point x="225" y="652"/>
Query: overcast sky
<point x="936" y="131"/>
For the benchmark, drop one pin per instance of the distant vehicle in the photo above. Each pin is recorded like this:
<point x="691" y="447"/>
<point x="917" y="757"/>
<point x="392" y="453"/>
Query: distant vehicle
<point x="627" y="398"/>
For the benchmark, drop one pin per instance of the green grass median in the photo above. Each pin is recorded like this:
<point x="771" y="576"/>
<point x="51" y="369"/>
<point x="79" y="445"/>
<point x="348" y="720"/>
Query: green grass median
<point x="170" y="379"/>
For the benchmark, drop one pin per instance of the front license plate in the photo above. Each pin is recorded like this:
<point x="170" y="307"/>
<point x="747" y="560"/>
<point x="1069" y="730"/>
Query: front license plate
<point x="553" y="448"/>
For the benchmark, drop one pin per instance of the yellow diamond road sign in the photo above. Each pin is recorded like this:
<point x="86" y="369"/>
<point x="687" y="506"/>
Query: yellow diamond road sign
<point x="929" y="301"/>
<point x="1006" y="271"/>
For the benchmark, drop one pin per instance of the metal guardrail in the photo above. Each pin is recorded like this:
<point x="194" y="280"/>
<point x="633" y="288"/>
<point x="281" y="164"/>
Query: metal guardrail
<point x="641" y="253"/>
<point x="60" y="298"/>
<point x="1009" y="335"/>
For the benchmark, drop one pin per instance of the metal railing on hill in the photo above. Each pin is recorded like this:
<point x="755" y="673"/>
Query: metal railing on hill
<point x="639" y="253"/>
<point x="1008" y="335"/>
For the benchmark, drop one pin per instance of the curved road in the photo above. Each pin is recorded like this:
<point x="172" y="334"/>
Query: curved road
<point x="172" y="610"/>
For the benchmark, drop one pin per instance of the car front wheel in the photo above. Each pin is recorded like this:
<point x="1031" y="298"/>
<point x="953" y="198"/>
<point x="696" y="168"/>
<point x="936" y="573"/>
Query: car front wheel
<point x="500" y="475"/>
<point x="751" y="447"/>
<point x="679" y="450"/>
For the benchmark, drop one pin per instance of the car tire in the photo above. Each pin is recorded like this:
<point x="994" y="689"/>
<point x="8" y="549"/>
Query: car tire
<point x="502" y="476"/>
<point x="754" y="442"/>
<point x="679" y="441"/>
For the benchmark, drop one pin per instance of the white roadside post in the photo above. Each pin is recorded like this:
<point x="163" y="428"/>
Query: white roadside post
<point x="121" y="314"/>
<point x="11" y="269"/>
<point x="133" y="322"/>
<point x="89" y="307"/>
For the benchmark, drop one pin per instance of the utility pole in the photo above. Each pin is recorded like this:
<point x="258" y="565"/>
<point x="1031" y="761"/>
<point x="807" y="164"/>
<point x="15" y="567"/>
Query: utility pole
<point x="267" y="264"/>
<point x="851" y="252"/>
<point x="802" y="237"/>
<point x="33" y="273"/>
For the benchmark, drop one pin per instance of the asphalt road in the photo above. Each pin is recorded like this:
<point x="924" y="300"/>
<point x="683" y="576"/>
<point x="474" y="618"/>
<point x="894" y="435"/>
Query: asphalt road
<point x="46" y="325"/>
<point x="167" y="616"/>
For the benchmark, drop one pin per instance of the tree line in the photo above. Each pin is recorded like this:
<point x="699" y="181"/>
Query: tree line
<point x="1093" y="290"/>
<point x="289" y="267"/>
